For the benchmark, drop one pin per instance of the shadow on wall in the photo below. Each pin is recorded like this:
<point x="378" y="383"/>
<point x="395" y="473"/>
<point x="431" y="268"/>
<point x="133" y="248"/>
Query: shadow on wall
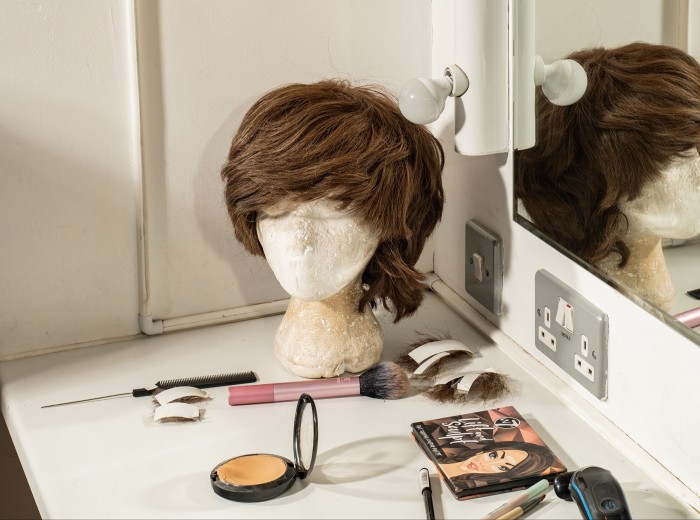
<point x="211" y="213"/>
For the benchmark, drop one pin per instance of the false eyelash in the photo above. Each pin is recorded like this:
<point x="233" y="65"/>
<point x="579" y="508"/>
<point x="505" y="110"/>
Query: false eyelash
<point x="405" y="361"/>
<point x="488" y="386"/>
<point x="187" y="399"/>
<point x="176" y="419"/>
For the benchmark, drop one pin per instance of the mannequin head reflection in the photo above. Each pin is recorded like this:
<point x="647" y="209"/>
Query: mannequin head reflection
<point x="667" y="207"/>
<point x="339" y="192"/>
<point x="615" y="173"/>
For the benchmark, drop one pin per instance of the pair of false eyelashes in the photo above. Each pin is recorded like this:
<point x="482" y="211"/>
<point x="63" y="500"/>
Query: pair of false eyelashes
<point x="181" y="406"/>
<point x="487" y="386"/>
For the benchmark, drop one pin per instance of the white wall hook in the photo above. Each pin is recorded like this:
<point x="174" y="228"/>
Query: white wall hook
<point x="422" y="100"/>
<point x="460" y="81"/>
<point x="563" y="82"/>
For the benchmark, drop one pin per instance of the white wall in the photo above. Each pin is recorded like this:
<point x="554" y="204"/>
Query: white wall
<point x="67" y="211"/>
<point x="653" y="383"/>
<point x="567" y="25"/>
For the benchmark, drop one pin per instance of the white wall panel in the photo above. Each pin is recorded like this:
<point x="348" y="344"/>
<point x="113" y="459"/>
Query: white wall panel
<point x="67" y="218"/>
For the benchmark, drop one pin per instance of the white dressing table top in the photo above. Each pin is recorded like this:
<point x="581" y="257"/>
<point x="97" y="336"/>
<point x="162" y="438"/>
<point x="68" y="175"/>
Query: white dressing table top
<point x="108" y="459"/>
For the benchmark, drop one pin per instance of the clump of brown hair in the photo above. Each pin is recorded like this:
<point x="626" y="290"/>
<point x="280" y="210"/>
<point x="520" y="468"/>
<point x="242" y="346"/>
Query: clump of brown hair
<point x="640" y="112"/>
<point x="350" y="144"/>
<point x="488" y="386"/>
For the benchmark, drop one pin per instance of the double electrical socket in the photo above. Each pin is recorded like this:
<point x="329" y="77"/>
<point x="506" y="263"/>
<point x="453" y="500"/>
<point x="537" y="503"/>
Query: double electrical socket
<point x="572" y="332"/>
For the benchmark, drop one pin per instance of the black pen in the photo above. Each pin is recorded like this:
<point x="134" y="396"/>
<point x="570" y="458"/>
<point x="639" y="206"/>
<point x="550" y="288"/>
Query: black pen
<point x="427" y="492"/>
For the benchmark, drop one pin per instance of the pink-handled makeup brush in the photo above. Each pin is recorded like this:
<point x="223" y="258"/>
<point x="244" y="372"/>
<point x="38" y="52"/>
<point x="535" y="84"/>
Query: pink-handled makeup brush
<point x="386" y="380"/>
<point x="690" y="318"/>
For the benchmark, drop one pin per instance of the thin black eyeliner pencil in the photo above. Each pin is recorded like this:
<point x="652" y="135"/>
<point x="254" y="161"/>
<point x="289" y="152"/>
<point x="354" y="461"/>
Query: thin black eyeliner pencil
<point x="427" y="492"/>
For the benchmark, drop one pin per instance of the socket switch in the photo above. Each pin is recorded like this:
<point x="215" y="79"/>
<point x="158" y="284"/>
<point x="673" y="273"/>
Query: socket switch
<point x="483" y="277"/>
<point x="574" y="335"/>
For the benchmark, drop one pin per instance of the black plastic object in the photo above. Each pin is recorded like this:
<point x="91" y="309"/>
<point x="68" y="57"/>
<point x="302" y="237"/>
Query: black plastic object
<point x="561" y="485"/>
<point x="304" y="461"/>
<point x="301" y="467"/>
<point x="236" y="378"/>
<point x="695" y="293"/>
<point x="596" y="493"/>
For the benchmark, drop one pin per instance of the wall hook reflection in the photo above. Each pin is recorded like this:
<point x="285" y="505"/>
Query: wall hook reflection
<point x="563" y="82"/>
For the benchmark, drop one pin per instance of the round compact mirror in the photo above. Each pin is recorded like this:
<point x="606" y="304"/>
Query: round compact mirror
<point x="305" y="435"/>
<point x="262" y="476"/>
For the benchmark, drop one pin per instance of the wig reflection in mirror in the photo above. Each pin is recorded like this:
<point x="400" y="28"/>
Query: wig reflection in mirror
<point x="615" y="173"/>
<point x="339" y="192"/>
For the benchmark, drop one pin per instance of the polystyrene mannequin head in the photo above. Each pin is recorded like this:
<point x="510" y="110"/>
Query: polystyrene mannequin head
<point x="599" y="163"/>
<point x="315" y="249"/>
<point x="350" y="146"/>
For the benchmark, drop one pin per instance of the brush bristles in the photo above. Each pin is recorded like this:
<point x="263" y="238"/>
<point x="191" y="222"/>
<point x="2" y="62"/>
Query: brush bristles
<point x="386" y="380"/>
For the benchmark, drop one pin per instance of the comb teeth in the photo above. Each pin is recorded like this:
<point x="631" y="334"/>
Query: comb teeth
<point x="235" y="378"/>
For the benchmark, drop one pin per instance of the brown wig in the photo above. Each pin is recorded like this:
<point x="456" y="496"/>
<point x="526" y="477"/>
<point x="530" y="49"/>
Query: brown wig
<point x="640" y="112"/>
<point x="331" y="139"/>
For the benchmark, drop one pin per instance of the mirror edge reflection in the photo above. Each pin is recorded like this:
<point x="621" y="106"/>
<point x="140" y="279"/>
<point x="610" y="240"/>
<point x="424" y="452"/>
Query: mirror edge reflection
<point x="650" y="308"/>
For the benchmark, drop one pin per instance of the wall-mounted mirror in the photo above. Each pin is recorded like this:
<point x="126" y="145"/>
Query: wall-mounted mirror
<point x="659" y="212"/>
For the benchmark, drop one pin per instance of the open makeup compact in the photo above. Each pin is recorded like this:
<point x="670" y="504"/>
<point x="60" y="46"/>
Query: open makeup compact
<point x="262" y="476"/>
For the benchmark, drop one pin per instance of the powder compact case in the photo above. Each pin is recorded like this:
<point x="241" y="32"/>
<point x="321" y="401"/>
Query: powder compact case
<point x="261" y="476"/>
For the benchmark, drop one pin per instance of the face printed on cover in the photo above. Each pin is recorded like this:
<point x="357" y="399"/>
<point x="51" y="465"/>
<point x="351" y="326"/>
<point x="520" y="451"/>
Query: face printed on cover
<point x="314" y="249"/>
<point x="495" y="461"/>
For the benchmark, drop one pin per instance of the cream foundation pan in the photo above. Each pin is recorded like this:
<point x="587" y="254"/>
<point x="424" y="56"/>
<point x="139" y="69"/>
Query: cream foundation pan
<point x="262" y="476"/>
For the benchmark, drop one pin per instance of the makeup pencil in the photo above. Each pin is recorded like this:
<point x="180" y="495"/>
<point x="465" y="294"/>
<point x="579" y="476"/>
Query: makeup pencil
<point x="521" y="510"/>
<point x="386" y="380"/>
<point x="532" y="492"/>
<point x="427" y="492"/>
